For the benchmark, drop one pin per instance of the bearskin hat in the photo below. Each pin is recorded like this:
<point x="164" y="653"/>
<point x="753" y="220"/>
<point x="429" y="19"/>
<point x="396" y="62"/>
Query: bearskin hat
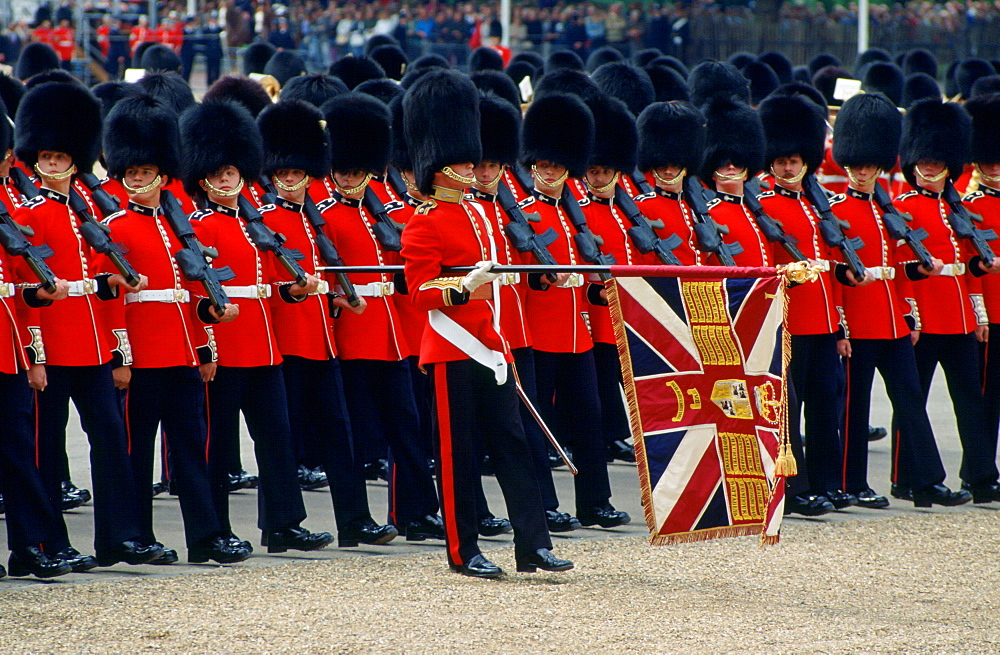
<point x="53" y="75"/>
<point x="141" y="130"/>
<point x="360" y="133"/>
<point x="801" y="74"/>
<point x="111" y="93"/>
<point x="558" y="128"/>
<point x="933" y="129"/>
<point x="740" y="59"/>
<point x="868" y="130"/>
<point x="284" y="65"/>
<point x="255" y="57"/>
<point x="711" y="79"/>
<point x="294" y="135"/>
<point x="243" y="90"/>
<point x="762" y="81"/>
<point x="519" y="70"/>
<point x="822" y="60"/>
<point x="563" y="59"/>
<point x="392" y="59"/>
<point x="485" y="59"/>
<point x="986" y="85"/>
<point x="733" y="134"/>
<point x="985" y="112"/>
<point x="355" y="70"/>
<point x="628" y="83"/>
<point x="644" y="56"/>
<point x="532" y="58"/>
<point x="11" y="92"/>
<point x="671" y="133"/>
<point x="6" y="130"/>
<point x="414" y="74"/>
<point x="216" y="134"/>
<point x="793" y="125"/>
<point x="441" y="123"/>
<point x="399" y="156"/>
<point x="159" y="57"/>
<point x="383" y="89"/>
<point x="825" y="80"/>
<point x="869" y="56"/>
<point x="779" y="63"/>
<point x="62" y="118"/>
<point x="499" y="129"/>
<point x="668" y="84"/>
<point x="802" y="89"/>
<point x="315" y="89"/>
<point x="919" y="60"/>
<point x="968" y="71"/>
<point x="34" y="59"/>
<point x="430" y="60"/>
<point x="567" y="81"/>
<point x="672" y="62"/>
<point x="498" y="83"/>
<point x="884" y="78"/>
<point x="377" y="41"/>
<point x="603" y="55"/>
<point x="170" y="88"/>
<point x="616" y="139"/>
<point x="919" y="86"/>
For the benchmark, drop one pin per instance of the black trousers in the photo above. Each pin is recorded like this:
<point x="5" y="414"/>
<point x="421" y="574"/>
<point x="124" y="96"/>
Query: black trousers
<point x="895" y="361"/>
<point x="317" y="413"/>
<point x="116" y="503"/>
<point x="614" y="414"/>
<point x="567" y="396"/>
<point x="990" y="367"/>
<point x="174" y="397"/>
<point x="473" y="415"/>
<point x="30" y="518"/>
<point x="381" y="405"/>
<point x="259" y="393"/>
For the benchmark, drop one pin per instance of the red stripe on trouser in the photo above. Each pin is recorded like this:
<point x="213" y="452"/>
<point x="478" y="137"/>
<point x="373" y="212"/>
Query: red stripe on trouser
<point x="443" y="407"/>
<point x="847" y="423"/>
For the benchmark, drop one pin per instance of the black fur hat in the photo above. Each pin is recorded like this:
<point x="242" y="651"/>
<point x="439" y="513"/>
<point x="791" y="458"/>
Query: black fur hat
<point x="950" y="85"/>
<point x="933" y="129"/>
<point x="646" y="55"/>
<point x="779" y="63"/>
<point x="733" y="134"/>
<point x="711" y="79"/>
<point x="558" y="128"/>
<point x="11" y="92"/>
<point x="485" y="59"/>
<point x="62" y="118"/>
<point x="159" y="57"/>
<point x="383" y="89"/>
<point x="802" y="89"/>
<point x="431" y="60"/>
<point x="604" y="55"/>
<point x="869" y="56"/>
<point x="668" y="84"/>
<point x="762" y="80"/>
<point x="34" y="59"/>
<point x="822" y="60"/>
<point x="519" y="70"/>
<point x="360" y="133"/>
<point x="498" y="83"/>
<point x="532" y="58"/>
<point x="315" y="89"/>
<point x="216" y="134"/>
<point x="243" y="90"/>
<point x="968" y="71"/>
<point x="111" y="93"/>
<point x="567" y="81"/>
<point x="672" y="62"/>
<point x="6" y="130"/>
<point x="400" y="155"/>
<point x="441" y="123"/>
<point x="919" y="86"/>
<point x="985" y="112"/>
<point x="919" y="60"/>
<point x="563" y="59"/>
<point x="793" y="125"/>
<point x="986" y="85"/>
<point x="170" y="88"/>
<point x="628" y="83"/>
<point x="284" y="65"/>
<point x="392" y="59"/>
<point x="740" y="59"/>
<point x="140" y="50"/>
<point x="141" y="130"/>
<point x="801" y="74"/>
<point x="256" y="55"/>
<point x="867" y="131"/>
<point x="355" y="70"/>
<point x="294" y="135"/>
<point x="53" y="75"/>
<point x="671" y="133"/>
<point x="825" y="80"/>
<point x="377" y="41"/>
<point x="499" y="129"/>
<point x="883" y="77"/>
<point x="616" y="139"/>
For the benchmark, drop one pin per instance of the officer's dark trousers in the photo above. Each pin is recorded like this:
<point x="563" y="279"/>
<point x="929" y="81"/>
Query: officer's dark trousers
<point x="175" y="397"/>
<point x="30" y="518"/>
<point x="895" y="361"/>
<point x="258" y="392"/>
<point x="990" y="367"/>
<point x="317" y="413"/>
<point x="92" y="390"/>
<point x="473" y="416"/>
<point x="614" y="416"/>
<point x="380" y="403"/>
<point x="567" y="389"/>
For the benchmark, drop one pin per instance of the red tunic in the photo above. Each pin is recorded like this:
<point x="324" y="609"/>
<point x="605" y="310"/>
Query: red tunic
<point x="607" y="221"/>
<point x="677" y="219"/>
<point x="20" y="328"/>
<point x="986" y="203"/>
<point x="412" y="319"/>
<point x="728" y="210"/>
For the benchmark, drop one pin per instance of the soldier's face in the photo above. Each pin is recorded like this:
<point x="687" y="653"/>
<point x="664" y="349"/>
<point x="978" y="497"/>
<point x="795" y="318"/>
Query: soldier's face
<point x="787" y="167"/>
<point x="140" y="176"/>
<point x="349" y="179"/>
<point x="224" y="179"/>
<point x="930" y="167"/>
<point x="668" y="172"/>
<point x="549" y="172"/>
<point x="289" y="176"/>
<point x="865" y="174"/>
<point x="599" y="176"/>
<point x="52" y="163"/>
<point x="990" y="170"/>
<point x="486" y="172"/>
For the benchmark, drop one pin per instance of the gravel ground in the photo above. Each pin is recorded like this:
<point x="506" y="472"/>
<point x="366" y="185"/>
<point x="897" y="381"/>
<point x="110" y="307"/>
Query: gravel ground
<point x="919" y="584"/>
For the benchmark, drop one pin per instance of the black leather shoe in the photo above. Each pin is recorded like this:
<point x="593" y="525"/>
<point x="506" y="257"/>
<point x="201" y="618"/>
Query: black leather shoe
<point x="561" y="521"/>
<point x="808" y="505"/>
<point x="160" y="487"/>
<point x="3" y="506"/>
<point x="32" y="561"/>
<point x="868" y="498"/>
<point x="428" y="527"/>
<point x="901" y="492"/>
<point x="236" y="541"/>
<point x="365" y="531"/>
<point x="78" y="561"/>
<point x="984" y="492"/>
<point x="555" y="461"/>
<point x="296" y="538"/>
<point x="621" y="451"/>
<point x="876" y="432"/>
<point x="840" y="499"/>
<point x="604" y="516"/>
<point x="478" y="567"/>
<point x="938" y="494"/>
<point x="220" y="549"/>
<point x="377" y="470"/>
<point x="543" y="559"/>
<point x="491" y="526"/>
<point x="169" y="556"/>
<point x="242" y="480"/>
<point x="310" y="479"/>
<point x="130" y="552"/>
<point x="3" y="571"/>
<point x="73" y="496"/>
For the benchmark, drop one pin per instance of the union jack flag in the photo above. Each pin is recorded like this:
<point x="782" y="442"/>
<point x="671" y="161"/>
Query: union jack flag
<point x="702" y="367"/>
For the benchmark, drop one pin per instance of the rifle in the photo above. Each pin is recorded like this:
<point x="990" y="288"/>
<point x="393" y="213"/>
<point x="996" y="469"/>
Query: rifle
<point x="897" y="228"/>
<point x="769" y="227"/>
<point x="585" y="240"/>
<point x="521" y="234"/>
<point x="831" y="229"/>
<point x="642" y="234"/>
<point x="396" y="181"/>
<point x="639" y="180"/>
<point x="385" y="229"/>
<point x="268" y="240"/>
<point x="107" y="204"/>
<point x="14" y="239"/>
<point x="193" y="255"/>
<point x="961" y="222"/>
<point x="708" y="232"/>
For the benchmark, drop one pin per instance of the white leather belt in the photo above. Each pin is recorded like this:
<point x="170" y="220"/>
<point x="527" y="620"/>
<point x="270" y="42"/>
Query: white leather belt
<point x="575" y="280"/>
<point x="883" y="272"/>
<point x="248" y="291"/>
<point x="7" y="290"/>
<point x="823" y="264"/>
<point x="83" y="287"/>
<point x="953" y="270"/>
<point x="375" y="289"/>
<point x="510" y="278"/>
<point x="158" y="295"/>
<point x="322" y="289"/>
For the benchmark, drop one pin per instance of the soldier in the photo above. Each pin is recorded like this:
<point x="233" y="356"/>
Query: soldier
<point x="222" y="148"/>
<point x="463" y="347"/>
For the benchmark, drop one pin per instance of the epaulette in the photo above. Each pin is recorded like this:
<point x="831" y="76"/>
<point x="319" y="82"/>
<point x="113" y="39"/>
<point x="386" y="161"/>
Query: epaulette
<point x="107" y="221"/>
<point x="644" y="196"/>
<point x="394" y="205"/>
<point x="906" y="195"/>
<point x="840" y="197"/>
<point x="583" y="202"/>
<point x="323" y="205"/>
<point x="469" y="197"/>
<point x="765" y="194"/>
<point x="31" y="203"/>
<point x="712" y="203"/>
<point x="267" y="208"/>
<point x="974" y="195"/>
<point x="200" y="214"/>
<point x="426" y="206"/>
<point x="527" y="202"/>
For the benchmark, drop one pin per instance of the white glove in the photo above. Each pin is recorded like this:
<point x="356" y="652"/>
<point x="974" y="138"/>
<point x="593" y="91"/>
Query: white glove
<point x="477" y="278"/>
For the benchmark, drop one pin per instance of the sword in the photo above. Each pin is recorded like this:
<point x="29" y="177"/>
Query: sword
<point x="541" y="423"/>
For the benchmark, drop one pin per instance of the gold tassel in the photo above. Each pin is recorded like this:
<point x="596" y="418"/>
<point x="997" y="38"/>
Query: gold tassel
<point x="784" y="465"/>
